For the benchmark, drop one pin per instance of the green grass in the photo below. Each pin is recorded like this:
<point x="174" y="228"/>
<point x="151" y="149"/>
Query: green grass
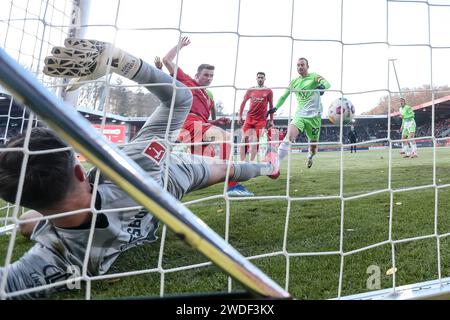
<point x="257" y="227"/>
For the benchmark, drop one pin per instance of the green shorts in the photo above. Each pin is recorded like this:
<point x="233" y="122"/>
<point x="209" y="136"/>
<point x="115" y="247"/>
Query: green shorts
<point x="409" y="126"/>
<point x="310" y="126"/>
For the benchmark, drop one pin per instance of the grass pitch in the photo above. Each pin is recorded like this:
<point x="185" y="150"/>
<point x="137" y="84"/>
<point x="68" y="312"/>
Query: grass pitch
<point x="296" y="237"/>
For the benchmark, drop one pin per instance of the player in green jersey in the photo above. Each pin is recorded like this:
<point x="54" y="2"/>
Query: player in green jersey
<point x="308" y="88"/>
<point x="408" y="129"/>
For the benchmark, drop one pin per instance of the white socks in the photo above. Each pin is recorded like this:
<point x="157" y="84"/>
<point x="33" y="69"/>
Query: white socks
<point x="283" y="149"/>
<point x="413" y="148"/>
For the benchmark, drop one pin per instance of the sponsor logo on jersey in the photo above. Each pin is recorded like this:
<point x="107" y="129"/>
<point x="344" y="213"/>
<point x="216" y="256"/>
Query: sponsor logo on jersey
<point x="258" y="99"/>
<point x="49" y="274"/>
<point x="155" y="151"/>
<point x="141" y="230"/>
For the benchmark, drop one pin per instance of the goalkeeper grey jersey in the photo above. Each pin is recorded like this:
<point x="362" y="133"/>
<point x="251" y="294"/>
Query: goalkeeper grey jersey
<point x="59" y="252"/>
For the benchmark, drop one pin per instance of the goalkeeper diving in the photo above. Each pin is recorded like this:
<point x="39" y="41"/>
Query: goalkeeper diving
<point x="56" y="182"/>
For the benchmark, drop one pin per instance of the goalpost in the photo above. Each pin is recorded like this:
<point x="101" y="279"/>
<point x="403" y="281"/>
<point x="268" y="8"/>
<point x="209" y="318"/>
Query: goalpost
<point x="30" y="31"/>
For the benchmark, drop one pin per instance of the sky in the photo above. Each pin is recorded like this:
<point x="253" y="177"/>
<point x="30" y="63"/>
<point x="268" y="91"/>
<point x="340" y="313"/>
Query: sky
<point x="348" y="42"/>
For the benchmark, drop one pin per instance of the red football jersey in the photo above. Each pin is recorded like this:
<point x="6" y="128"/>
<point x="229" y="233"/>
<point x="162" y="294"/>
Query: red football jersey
<point x="201" y="102"/>
<point x="259" y="100"/>
<point x="273" y="134"/>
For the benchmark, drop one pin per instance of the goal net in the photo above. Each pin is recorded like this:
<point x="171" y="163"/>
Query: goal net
<point x="368" y="225"/>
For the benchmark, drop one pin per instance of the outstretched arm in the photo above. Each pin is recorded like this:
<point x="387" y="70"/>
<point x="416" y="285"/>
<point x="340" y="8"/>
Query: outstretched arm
<point x="170" y="56"/>
<point x="282" y="99"/>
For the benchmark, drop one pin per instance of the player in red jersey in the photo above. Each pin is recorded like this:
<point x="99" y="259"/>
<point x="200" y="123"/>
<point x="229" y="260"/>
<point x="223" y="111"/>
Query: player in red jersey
<point x="197" y="127"/>
<point x="275" y="136"/>
<point x="255" y="122"/>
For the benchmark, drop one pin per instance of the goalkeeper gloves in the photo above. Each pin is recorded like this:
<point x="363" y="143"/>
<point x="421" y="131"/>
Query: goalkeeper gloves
<point x="270" y="111"/>
<point x="321" y="87"/>
<point x="84" y="60"/>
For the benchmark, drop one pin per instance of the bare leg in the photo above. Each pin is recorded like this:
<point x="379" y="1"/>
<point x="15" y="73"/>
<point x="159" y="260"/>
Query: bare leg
<point x="217" y="134"/>
<point x="253" y="147"/>
<point x="242" y="152"/>
<point x="313" y="149"/>
<point x="404" y="145"/>
<point x="413" y="145"/>
<point x="311" y="154"/>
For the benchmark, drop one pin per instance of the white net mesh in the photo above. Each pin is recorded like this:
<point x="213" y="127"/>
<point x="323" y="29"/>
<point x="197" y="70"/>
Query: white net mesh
<point x="29" y="30"/>
<point x="349" y="225"/>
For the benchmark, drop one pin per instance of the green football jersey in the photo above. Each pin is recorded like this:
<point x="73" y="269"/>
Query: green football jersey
<point x="308" y="98"/>
<point x="406" y="112"/>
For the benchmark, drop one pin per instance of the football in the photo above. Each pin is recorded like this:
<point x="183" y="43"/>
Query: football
<point x="341" y="107"/>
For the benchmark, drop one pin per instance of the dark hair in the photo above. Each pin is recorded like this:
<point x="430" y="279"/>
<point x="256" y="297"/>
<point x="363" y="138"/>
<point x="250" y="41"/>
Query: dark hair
<point x="204" y="66"/>
<point x="48" y="176"/>
<point x="307" y="62"/>
<point x="261" y="73"/>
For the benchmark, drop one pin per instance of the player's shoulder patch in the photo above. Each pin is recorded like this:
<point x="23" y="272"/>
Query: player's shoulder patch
<point x="155" y="151"/>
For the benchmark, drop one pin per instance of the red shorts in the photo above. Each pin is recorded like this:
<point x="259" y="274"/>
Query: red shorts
<point x="193" y="131"/>
<point x="256" y="125"/>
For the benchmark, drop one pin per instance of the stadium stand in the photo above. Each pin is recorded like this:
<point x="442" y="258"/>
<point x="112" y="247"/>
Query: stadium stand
<point x="368" y="127"/>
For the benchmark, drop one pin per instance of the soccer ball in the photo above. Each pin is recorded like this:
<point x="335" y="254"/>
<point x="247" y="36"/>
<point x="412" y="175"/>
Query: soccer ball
<point x="341" y="106"/>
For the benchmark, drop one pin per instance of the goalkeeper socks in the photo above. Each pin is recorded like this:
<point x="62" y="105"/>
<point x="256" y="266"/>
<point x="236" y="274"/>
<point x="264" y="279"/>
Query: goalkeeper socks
<point x="246" y="171"/>
<point x="283" y="149"/>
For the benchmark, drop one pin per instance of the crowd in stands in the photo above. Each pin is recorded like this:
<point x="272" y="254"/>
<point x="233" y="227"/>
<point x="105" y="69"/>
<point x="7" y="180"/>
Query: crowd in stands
<point x="378" y="130"/>
<point x="442" y="128"/>
<point x="329" y="133"/>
